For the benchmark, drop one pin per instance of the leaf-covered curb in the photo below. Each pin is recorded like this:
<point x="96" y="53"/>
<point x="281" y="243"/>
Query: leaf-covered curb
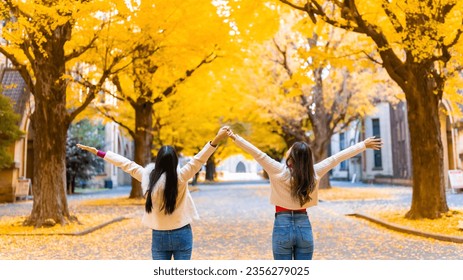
<point x="408" y="230"/>
<point x="77" y="233"/>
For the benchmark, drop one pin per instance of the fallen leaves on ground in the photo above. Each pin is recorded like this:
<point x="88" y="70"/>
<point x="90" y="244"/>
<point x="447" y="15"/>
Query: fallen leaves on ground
<point x="13" y="225"/>
<point x="336" y="193"/>
<point x="118" y="201"/>
<point x="448" y="224"/>
<point x="121" y="201"/>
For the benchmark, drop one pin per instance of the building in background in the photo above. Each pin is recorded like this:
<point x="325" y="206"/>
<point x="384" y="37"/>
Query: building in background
<point x="239" y="168"/>
<point x="393" y="164"/>
<point x="17" y="181"/>
<point x="116" y="142"/>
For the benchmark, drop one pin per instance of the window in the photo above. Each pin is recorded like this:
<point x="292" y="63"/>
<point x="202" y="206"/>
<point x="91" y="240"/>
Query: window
<point x="342" y="146"/>
<point x="240" y="168"/>
<point x="377" y="153"/>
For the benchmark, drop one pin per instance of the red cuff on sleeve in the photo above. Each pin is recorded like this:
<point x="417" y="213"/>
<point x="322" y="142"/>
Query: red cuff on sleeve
<point x="101" y="154"/>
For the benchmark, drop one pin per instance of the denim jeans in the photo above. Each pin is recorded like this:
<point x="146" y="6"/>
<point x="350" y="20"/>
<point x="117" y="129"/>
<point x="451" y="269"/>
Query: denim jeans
<point x="176" y="243"/>
<point x="292" y="237"/>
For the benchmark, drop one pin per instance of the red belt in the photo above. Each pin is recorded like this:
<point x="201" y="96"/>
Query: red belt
<point x="282" y="209"/>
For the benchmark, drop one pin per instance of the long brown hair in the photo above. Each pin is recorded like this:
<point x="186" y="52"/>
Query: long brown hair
<point x="166" y="163"/>
<point x="302" y="172"/>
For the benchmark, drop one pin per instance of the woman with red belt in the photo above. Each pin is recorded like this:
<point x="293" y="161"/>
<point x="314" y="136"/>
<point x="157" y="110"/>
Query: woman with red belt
<point x="169" y="207"/>
<point x="294" y="188"/>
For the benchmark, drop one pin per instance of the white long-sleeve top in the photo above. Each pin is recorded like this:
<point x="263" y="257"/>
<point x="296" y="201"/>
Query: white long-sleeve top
<point x="279" y="173"/>
<point x="185" y="211"/>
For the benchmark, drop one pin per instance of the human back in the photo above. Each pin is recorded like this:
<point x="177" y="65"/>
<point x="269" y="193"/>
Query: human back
<point x="169" y="207"/>
<point x="294" y="188"/>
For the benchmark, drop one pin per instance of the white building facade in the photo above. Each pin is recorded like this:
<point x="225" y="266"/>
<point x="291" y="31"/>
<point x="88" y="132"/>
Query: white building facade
<point x="393" y="164"/>
<point x="239" y="168"/>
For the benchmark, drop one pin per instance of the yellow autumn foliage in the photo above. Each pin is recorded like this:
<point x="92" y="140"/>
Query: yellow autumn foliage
<point x="449" y="224"/>
<point x="12" y="225"/>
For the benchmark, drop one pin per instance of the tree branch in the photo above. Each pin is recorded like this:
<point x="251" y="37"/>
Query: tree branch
<point x="391" y="62"/>
<point x="392" y="17"/>
<point x="172" y="88"/>
<point x="25" y="48"/>
<point x="82" y="50"/>
<point x="292" y="5"/>
<point x="285" y="59"/>
<point x="118" y="85"/>
<point x="372" y="58"/>
<point x="15" y="9"/>
<point x="346" y="123"/>
<point x="106" y="113"/>
<point x="25" y="74"/>
<point x="94" y="88"/>
<point x="445" y="48"/>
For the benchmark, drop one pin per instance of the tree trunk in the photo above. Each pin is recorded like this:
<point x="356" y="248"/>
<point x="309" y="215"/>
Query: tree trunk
<point x="143" y="142"/>
<point x="321" y="123"/>
<point x="71" y="184"/>
<point x="428" y="199"/>
<point x="320" y="152"/>
<point x="68" y="184"/>
<point x="210" y="169"/>
<point x="50" y="126"/>
<point x="195" y="179"/>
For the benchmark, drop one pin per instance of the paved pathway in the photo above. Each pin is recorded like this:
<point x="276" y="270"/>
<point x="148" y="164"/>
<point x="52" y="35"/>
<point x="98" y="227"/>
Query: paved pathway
<point x="236" y="224"/>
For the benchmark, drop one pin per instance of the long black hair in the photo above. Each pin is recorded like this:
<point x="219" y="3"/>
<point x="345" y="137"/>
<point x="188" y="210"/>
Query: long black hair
<point x="302" y="172"/>
<point x="166" y="163"/>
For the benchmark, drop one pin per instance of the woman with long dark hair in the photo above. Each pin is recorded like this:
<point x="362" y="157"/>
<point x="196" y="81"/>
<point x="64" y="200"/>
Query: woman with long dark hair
<point x="294" y="188"/>
<point x="169" y="207"/>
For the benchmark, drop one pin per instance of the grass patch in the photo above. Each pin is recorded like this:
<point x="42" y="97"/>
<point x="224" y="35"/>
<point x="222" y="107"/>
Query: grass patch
<point x="118" y="201"/>
<point x="14" y="225"/>
<point x="336" y="193"/>
<point x="448" y="224"/>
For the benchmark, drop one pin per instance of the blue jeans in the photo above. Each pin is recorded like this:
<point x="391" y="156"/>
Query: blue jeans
<point x="177" y="243"/>
<point x="292" y="237"/>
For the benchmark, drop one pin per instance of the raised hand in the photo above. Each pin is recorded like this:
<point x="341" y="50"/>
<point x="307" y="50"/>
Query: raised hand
<point x="373" y="143"/>
<point x="221" y="134"/>
<point x="231" y="134"/>
<point x="87" y="148"/>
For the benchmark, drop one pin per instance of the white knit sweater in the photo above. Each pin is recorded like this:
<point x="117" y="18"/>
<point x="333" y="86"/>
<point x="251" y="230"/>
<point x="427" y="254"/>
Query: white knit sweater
<point x="185" y="211"/>
<point x="279" y="173"/>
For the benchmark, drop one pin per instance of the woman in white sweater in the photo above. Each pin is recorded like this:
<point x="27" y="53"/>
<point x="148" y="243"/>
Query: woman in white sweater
<point x="294" y="188"/>
<point x="169" y="208"/>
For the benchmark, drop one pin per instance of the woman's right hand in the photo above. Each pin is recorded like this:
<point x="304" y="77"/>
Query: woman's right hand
<point x="231" y="134"/>
<point x="87" y="148"/>
<point x="373" y="143"/>
<point x="221" y="134"/>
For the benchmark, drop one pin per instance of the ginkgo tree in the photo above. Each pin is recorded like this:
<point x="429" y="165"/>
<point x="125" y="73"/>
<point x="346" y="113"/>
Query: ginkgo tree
<point x="419" y="44"/>
<point x="220" y="96"/>
<point x="174" y="40"/>
<point x="47" y="42"/>
<point x="319" y="72"/>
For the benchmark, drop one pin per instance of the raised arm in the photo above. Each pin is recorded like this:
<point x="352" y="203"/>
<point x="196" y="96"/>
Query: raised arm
<point x="271" y="166"/>
<point x="326" y="165"/>
<point x="127" y="165"/>
<point x="194" y="165"/>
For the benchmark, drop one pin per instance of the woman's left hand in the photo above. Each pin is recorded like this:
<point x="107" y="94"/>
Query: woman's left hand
<point x="373" y="143"/>
<point x="88" y="148"/>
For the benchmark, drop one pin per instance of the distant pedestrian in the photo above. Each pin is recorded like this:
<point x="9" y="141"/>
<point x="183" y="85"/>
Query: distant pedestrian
<point x="169" y="207"/>
<point x="294" y="188"/>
